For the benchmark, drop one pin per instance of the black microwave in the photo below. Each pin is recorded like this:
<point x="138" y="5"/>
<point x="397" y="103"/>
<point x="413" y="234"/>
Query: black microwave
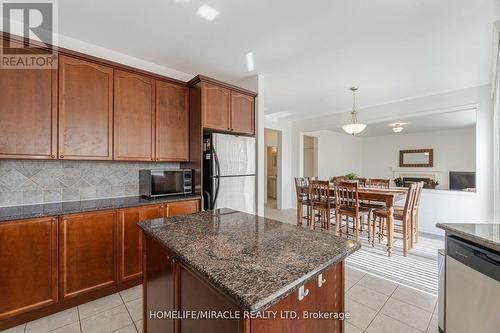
<point x="156" y="183"/>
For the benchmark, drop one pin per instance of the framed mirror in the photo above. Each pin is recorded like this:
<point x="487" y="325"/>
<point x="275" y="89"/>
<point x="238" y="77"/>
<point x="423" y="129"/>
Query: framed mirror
<point x="416" y="158"/>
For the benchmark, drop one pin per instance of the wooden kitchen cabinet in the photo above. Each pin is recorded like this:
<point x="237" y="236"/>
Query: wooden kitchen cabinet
<point x="172" y="122"/>
<point x="182" y="208"/>
<point x="216" y="105"/>
<point x="222" y="107"/>
<point x="87" y="252"/>
<point x="28" y="265"/>
<point x="134" y="117"/>
<point x="85" y="109"/>
<point x="130" y="239"/>
<point x="242" y="113"/>
<point x="28" y="117"/>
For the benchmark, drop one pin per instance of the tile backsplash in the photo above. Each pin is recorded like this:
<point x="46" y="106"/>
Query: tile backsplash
<point x="33" y="182"/>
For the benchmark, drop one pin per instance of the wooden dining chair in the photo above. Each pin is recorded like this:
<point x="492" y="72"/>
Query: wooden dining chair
<point x="414" y="219"/>
<point x="404" y="215"/>
<point x="348" y="205"/>
<point x="378" y="183"/>
<point x="321" y="202"/>
<point x="302" y="191"/>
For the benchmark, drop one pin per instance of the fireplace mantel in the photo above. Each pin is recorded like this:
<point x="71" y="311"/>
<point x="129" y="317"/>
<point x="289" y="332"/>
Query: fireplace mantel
<point x="432" y="173"/>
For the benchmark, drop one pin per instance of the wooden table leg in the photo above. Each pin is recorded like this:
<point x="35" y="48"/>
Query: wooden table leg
<point x="390" y="225"/>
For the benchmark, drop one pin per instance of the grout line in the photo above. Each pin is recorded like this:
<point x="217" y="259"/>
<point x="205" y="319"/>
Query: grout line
<point x="123" y="301"/>
<point x="79" y="320"/>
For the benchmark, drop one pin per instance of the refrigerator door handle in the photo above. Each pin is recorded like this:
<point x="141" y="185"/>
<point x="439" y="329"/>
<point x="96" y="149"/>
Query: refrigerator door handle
<point x="217" y="175"/>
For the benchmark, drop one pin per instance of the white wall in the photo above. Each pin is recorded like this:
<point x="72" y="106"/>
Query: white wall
<point x="454" y="150"/>
<point x="436" y="206"/>
<point x="338" y="154"/>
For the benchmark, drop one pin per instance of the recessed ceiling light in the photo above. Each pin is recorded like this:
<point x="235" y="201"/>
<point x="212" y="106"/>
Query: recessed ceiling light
<point x="207" y="12"/>
<point x="250" y="65"/>
<point x="397" y="129"/>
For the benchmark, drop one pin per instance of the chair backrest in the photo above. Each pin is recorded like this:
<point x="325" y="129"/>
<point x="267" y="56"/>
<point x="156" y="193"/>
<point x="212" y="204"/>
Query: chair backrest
<point x="418" y="194"/>
<point x="378" y="183"/>
<point x="302" y="189"/>
<point x="346" y="194"/>
<point x="320" y="191"/>
<point x="362" y="181"/>
<point x="338" y="179"/>
<point x="409" y="202"/>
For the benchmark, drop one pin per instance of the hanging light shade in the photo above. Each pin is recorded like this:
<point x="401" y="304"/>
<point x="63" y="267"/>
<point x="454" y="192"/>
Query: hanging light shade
<point x="354" y="127"/>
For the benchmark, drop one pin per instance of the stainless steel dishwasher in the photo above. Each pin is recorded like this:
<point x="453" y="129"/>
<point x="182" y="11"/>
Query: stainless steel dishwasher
<point x="472" y="288"/>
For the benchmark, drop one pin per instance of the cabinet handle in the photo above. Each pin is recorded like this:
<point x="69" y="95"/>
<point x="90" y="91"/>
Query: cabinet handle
<point x="52" y="156"/>
<point x="321" y="281"/>
<point x="61" y="156"/>
<point x="302" y="293"/>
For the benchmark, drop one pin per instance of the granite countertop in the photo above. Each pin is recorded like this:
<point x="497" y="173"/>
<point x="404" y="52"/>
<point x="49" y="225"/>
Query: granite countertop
<point x="485" y="234"/>
<point x="70" y="207"/>
<point x="253" y="260"/>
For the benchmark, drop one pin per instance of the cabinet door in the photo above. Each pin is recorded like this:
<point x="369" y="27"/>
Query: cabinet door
<point x="28" y="117"/>
<point x="182" y="208"/>
<point x="28" y="265"/>
<point x="134" y="120"/>
<point x="130" y="239"/>
<point x="216" y="103"/>
<point x="172" y="122"/>
<point x="242" y="113"/>
<point x="87" y="250"/>
<point x="85" y="110"/>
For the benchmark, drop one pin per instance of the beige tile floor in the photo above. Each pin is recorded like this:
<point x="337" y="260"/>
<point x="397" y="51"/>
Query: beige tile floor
<point x="120" y="313"/>
<point x="374" y="303"/>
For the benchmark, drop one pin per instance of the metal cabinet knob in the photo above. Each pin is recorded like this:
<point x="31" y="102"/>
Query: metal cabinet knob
<point x="61" y="156"/>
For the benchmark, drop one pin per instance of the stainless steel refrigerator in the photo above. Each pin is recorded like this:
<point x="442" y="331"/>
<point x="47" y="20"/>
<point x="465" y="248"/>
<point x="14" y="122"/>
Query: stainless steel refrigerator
<point x="229" y="172"/>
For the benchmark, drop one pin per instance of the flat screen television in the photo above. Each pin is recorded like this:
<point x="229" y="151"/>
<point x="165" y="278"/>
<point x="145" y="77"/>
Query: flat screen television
<point x="461" y="180"/>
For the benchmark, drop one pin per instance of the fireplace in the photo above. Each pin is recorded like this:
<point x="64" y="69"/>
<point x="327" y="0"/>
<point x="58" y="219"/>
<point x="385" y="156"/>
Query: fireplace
<point x="407" y="181"/>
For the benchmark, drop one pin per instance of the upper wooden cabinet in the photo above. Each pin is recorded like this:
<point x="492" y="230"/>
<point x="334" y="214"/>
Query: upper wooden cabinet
<point x="85" y="110"/>
<point x="222" y="107"/>
<point x="28" y="265"/>
<point x="134" y="117"/>
<point x="216" y="105"/>
<point x="172" y="122"/>
<point x="242" y="113"/>
<point x="28" y="113"/>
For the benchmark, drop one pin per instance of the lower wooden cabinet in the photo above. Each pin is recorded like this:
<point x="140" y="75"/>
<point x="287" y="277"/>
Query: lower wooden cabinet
<point x="130" y="239"/>
<point x="182" y="208"/>
<point x="52" y="263"/>
<point x="28" y="265"/>
<point x="88" y="254"/>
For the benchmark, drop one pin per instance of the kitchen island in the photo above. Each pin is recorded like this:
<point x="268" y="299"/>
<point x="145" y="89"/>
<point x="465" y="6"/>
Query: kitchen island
<point x="228" y="271"/>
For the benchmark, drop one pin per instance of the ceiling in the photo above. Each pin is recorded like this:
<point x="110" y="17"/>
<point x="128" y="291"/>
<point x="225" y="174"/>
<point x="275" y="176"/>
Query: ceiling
<point x="310" y="53"/>
<point x="419" y="124"/>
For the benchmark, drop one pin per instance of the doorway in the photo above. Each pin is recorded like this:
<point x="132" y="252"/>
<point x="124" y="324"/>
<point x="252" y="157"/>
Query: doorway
<point x="272" y="139"/>
<point x="310" y="156"/>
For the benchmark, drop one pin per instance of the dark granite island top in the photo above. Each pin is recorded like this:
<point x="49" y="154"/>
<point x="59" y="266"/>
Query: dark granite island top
<point x="484" y="234"/>
<point x="255" y="261"/>
<point x="72" y="207"/>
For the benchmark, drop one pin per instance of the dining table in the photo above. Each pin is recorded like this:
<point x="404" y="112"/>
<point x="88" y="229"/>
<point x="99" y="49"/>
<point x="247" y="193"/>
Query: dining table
<point x="387" y="196"/>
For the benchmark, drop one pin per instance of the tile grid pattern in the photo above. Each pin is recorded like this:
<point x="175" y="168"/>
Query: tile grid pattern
<point x="376" y="305"/>
<point x="401" y="310"/>
<point x="120" y="313"/>
<point x="34" y="182"/>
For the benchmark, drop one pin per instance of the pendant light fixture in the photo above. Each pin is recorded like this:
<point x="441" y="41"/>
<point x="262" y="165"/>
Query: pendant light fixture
<point x="354" y="127"/>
